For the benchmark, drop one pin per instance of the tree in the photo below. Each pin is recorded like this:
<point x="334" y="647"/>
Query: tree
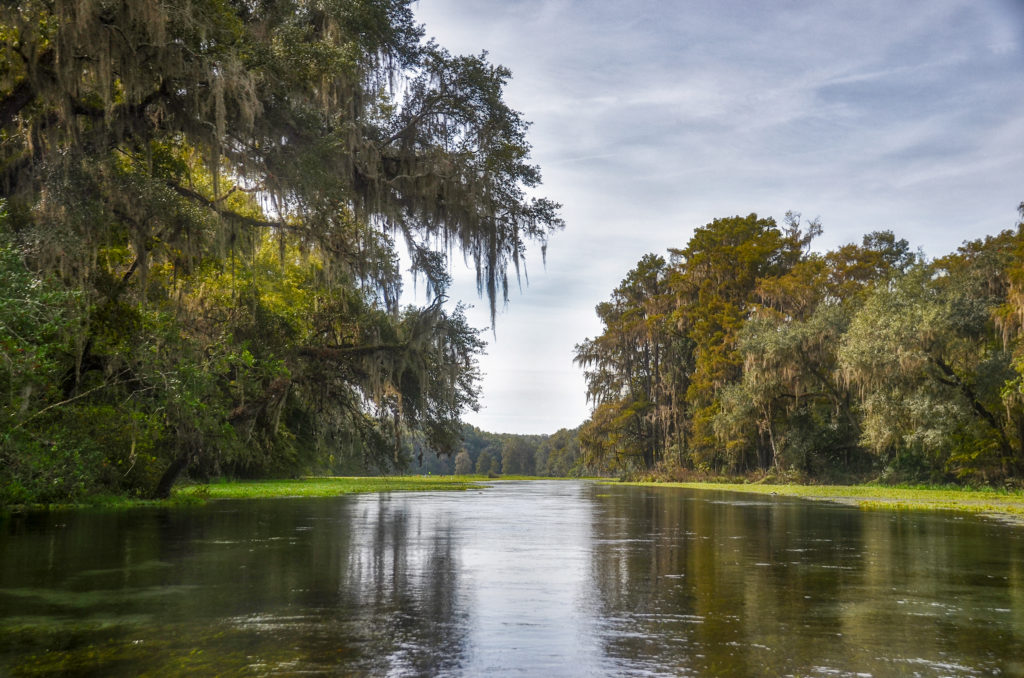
<point x="748" y="351"/>
<point x="561" y="454"/>
<point x="517" y="456"/>
<point x="156" y="154"/>
<point x="38" y="322"/>
<point x="715" y="278"/>
<point x="792" y="409"/>
<point x="486" y="464"/>
<point x="933" y="369"/>
<point x="463" y="464"/>
<point x="634" y="371"/>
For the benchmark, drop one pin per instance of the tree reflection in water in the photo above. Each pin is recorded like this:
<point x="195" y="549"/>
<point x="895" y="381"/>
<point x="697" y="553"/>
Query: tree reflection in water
<point x="283" y="586"/>
<point x="717" y="584"/>
<point x="542" y="578"/>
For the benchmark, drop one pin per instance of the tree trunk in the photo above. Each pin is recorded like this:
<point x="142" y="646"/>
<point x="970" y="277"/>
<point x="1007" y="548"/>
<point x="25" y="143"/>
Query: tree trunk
<point x="167" y="480"/>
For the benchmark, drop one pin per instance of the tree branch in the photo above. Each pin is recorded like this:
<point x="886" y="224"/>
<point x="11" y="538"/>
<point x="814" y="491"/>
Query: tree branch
<point x="226" y="213"/>
<point x="20" y="97"/>
<point x="65" y="402"/>
<point x="427" y="109"/>
<point x="345" y="352"/>
<point x="979" y="409"/>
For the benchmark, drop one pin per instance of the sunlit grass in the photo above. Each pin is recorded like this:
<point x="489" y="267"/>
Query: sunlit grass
<point x="326" y="486"/>
<point x="1008" y="503"/>
<point x="313" y="486"/>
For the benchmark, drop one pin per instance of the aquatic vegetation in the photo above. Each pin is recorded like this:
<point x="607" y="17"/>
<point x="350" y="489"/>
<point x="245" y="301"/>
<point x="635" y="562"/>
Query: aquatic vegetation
<point x="1007" y="504"/>
<point x="326" y="486"/>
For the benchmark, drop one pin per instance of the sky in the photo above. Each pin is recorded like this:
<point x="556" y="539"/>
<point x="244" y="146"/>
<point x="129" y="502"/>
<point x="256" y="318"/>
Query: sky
<point x="651" y="118"/>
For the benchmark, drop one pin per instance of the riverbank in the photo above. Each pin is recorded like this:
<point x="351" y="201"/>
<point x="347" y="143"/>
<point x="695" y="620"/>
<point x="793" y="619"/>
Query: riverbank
<point x="999" y="504"/>
<point x="1003" y="505"/>
<point x="329" y="486"/>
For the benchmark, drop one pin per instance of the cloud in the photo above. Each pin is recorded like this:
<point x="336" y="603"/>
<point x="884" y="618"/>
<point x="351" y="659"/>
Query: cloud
<point x="651" y="118"/>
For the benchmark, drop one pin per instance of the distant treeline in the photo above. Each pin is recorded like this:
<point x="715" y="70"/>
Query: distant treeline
<point x="555" y="455"/>
<point x="746" y="351"/>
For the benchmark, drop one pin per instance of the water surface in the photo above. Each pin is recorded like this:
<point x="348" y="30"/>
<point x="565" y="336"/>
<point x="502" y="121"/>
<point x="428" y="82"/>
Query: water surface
<point x="536" y="579"/>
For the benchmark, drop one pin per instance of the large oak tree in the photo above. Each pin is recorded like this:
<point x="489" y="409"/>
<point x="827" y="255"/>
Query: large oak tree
<point x="154" y="156"/>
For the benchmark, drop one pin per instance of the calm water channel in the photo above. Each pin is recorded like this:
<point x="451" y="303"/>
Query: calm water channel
<point x="537" y="579"/>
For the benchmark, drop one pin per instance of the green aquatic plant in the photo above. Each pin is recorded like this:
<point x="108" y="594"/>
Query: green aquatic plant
<point x="1008" y="504"/>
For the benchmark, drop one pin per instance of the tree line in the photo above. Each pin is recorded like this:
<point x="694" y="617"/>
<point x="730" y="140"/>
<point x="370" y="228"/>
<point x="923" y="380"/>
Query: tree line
<point x="202" y="209"/>
<point x="555" y="455"/>
<point x="748" y="352"/>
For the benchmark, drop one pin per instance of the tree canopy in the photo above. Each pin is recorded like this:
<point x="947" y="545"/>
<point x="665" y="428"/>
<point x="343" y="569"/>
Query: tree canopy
<point x="747" y="351"/>
<point x="216" y="192"/>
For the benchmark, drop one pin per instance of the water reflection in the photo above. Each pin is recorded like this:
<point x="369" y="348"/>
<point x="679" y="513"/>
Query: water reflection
<point x="536" y="579"/>
<point x="716" y="584"/>
<point x="264" y="587"/>
<point x="527" y="559"/>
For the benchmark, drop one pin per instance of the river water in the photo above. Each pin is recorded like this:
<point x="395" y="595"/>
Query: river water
<point x="556" y="578"/>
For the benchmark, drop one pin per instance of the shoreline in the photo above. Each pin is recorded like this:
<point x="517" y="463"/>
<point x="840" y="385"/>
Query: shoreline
<point x="1004" y="506"/>
<point x="310" y="486"/>
<point x="326" y="486"/>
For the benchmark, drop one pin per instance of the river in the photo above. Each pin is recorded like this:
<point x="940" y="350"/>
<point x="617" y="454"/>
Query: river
<point x="541" y="578"/>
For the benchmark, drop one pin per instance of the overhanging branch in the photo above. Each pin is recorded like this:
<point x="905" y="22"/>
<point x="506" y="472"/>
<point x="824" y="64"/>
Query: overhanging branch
<point x="226" y="213"/>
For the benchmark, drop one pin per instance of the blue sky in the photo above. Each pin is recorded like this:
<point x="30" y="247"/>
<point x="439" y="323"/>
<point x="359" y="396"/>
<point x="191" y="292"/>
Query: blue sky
<point x="651" y="118"/>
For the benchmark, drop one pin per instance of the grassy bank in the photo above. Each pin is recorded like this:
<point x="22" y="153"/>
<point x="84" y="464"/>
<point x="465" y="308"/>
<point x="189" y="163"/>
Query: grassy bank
<point x="1002" y="504"/>
<point x="267" y="489"/>
<point x="326" y="486"/>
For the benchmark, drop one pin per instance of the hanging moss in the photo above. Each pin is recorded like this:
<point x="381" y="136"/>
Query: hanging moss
<point x="153" y="152"/>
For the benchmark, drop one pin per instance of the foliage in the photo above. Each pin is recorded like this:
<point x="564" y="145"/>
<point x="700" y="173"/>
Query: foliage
<point x="200" y="258"/>
<point x="933" y="368"/>
<point x="1008" y="505"/>
<point x="632" y="369"/>
<point x="486" y="464"/>
<point x="517" y="457"/>
<point x="559" y="456"/>
<point x="554" y="456"/>
<point x="747" y="351"/>
<point x="463" y="464"/>
<point x="322" y="487"/>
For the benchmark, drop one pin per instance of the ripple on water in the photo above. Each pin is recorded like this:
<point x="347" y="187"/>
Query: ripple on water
<point x="96" y="598"/>
<point x="941" y="668"/>
<point x="530" y="579"/>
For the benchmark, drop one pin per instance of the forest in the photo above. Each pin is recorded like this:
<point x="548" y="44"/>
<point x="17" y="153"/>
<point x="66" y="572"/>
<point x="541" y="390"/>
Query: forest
<point x="496" y="454"/>
<point x="207" y="208"/>
<point x="746" y="352"/>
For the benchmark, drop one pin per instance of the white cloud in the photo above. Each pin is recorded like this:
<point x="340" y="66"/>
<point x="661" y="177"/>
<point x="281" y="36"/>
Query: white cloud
<point x="652" y="118"/>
